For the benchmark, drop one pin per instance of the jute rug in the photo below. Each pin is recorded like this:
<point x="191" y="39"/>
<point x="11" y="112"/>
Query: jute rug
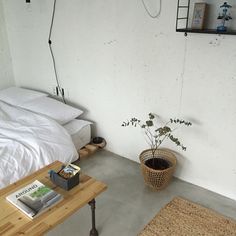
<point x="183" y="218"/>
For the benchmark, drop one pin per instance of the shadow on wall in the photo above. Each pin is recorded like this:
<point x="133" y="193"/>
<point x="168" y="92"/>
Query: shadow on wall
<point x="182" y="160"/>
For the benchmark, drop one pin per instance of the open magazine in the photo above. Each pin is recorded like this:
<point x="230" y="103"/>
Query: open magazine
<point x="34" y="198"/>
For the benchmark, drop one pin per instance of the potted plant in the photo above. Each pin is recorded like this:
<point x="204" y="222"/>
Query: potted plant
<point x="158" y="164"/>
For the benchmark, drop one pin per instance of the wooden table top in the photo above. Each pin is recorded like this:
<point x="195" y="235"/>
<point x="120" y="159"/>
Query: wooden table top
<point x="14" y="222"/>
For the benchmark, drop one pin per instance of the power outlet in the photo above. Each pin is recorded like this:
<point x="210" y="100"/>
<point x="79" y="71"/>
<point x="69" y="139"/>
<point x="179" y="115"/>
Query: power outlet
<point x="55" y="91"/>
<point x="63" y="92"/>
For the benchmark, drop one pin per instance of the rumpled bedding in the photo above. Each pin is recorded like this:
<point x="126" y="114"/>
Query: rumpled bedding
<point x="28" y="142"/>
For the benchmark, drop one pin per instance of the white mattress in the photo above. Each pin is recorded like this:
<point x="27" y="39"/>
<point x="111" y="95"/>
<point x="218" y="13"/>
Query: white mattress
<point x="80" y="132"/>
<point x="28" y="142"/>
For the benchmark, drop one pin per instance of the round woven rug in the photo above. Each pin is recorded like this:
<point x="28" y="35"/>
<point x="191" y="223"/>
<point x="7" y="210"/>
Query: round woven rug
<point x="183" y="218"/>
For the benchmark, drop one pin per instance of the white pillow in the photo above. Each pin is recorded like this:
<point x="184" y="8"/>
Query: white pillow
<point x="53" y="109"/>
<point x="17" y="96"/>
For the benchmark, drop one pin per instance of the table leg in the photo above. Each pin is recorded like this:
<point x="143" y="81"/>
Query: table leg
<point x="93" y="231"/>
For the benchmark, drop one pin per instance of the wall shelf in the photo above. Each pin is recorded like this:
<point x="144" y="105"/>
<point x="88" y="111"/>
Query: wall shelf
<point x="187" y="30"/>
<point x="205" y="31"/>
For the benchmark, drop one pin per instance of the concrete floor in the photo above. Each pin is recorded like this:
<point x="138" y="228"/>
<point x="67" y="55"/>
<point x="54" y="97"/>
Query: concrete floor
<point x="128" y="205"/>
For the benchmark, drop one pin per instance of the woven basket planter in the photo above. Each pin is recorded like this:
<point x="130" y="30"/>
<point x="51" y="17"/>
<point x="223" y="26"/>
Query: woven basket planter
<point x="157" y="179"/>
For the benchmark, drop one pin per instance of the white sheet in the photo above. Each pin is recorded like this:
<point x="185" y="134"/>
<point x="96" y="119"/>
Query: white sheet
<point x="80" y="132"/>
<point x="28" y="142"/>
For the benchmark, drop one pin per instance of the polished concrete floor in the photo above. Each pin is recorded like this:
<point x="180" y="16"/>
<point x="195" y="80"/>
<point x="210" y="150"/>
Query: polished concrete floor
<point x="128" y="205"/>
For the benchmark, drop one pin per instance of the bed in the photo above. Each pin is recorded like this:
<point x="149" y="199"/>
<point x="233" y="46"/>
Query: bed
<point x="29" y="140"/>
<point x="80" y="132"/>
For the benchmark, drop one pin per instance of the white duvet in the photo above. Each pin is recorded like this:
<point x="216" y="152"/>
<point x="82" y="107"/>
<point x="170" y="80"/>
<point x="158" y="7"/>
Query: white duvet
<point x="28" y="142"/>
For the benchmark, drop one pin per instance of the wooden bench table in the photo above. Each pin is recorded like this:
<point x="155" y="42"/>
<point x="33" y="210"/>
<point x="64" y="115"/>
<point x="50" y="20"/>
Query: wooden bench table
<point x="14" y="222"/>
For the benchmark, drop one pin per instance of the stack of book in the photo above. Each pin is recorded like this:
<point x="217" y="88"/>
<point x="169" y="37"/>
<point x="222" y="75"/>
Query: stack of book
<point x="34" y="199"/>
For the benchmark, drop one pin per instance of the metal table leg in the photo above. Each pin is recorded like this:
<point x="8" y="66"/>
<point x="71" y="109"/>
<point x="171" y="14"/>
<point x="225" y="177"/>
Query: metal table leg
<point x="93" y="231"/>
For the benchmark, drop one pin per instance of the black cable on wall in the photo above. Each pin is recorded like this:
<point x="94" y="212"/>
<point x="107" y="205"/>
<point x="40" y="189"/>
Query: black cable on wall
<point x="61" y="91"/>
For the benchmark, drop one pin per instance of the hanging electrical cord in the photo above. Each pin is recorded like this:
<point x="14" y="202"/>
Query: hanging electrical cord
<point x="61" y="92"/>
<point x="148" y="12"/>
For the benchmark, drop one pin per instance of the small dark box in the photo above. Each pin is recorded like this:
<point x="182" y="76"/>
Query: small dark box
<point x="66" y="184"/>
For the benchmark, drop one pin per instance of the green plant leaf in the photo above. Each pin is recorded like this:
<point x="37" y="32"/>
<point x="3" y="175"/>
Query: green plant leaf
<point x="151" y="116"/>
<point x="149" y="123"/>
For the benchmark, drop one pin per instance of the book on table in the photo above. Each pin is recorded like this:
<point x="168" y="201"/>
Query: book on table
<point x="34" y="199"/>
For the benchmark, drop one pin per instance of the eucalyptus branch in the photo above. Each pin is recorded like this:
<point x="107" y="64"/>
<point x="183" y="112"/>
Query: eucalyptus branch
<point x="160" y="134"/>
<point x="164" y="138"/>
<point x="150" y="133"/>
<point x="151" y="143"/>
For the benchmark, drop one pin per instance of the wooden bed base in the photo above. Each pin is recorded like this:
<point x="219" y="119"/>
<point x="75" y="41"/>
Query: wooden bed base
<point x="90" y="149"/>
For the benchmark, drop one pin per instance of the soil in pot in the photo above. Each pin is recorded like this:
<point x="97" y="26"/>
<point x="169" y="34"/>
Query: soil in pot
<point x="157" y="163"/>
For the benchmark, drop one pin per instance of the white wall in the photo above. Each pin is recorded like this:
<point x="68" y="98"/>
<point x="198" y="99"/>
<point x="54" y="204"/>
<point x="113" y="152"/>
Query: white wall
<point x="116" y="62"/>
<point x="6" y="70"/>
